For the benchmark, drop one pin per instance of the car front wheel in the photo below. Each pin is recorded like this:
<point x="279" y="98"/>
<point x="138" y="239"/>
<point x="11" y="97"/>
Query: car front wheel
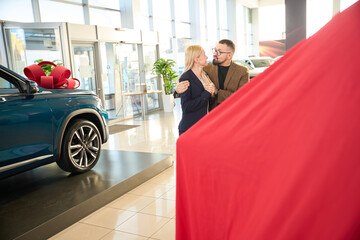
<point x="81" y="147"/>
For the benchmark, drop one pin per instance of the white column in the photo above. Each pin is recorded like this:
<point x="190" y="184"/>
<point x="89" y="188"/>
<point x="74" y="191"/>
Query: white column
<point x="36" y="10"/>
<point x="336" y="6"/>
<point x="86" y="12"/>
<point x="255" y="31"/>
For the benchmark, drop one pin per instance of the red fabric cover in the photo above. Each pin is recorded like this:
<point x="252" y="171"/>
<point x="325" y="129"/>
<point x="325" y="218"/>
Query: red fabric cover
<point x="280" y="159"/>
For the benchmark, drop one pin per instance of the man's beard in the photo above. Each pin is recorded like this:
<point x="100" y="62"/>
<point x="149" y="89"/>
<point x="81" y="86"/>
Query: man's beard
<point x="216" y="62"/>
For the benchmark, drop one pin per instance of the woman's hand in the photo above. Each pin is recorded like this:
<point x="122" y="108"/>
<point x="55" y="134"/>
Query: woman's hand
<point x="210" y="88"/>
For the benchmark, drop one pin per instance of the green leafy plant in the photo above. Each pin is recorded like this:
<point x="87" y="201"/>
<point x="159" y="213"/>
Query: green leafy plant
<point x="164" y="68"/>
<point x="48" y="68"/>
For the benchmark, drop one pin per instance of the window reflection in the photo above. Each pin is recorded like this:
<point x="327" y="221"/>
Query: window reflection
<point x="84" y="67"/>
<point x="111" y="78"/>
<point x="27" y="45"/>
<point x="129" y="67"/>
<point x="4" y="84"/>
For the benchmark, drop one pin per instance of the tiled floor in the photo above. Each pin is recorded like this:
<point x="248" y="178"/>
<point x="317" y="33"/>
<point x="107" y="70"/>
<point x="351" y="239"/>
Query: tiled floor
<point x="148" y="211"/>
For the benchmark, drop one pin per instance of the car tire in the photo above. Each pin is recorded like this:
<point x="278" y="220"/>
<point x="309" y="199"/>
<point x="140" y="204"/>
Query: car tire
<point x="81" y="147"/>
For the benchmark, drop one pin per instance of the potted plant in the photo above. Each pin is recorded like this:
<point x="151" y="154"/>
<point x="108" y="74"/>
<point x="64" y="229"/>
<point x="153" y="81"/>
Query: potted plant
<point x="163" y="68"/>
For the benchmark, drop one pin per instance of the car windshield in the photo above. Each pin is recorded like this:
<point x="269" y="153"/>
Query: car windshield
<point x="262" y="62"/>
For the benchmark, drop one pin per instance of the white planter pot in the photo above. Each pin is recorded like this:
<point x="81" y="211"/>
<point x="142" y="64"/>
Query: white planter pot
<point x="168" y="101"/>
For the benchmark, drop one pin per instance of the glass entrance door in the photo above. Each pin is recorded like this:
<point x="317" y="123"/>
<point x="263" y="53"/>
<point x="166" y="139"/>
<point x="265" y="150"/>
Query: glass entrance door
<point x="111" y="80"/>
<point x="130" y="73"/>
<point x="85" y="67"/>
<point x="152" y="82"/>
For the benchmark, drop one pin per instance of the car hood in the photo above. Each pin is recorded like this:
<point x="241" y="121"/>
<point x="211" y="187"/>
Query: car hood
<point x="256" y="71"/>
<point x="67" y="91"/>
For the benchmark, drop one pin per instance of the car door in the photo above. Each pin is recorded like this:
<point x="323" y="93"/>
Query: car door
<point x="25" y="126"/>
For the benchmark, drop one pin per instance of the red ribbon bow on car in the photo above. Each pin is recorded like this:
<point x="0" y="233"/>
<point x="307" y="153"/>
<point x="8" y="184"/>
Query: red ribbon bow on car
<point x="58" y="78"/>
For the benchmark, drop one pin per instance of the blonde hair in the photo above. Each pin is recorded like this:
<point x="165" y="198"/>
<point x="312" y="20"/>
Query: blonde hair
<point x="192" y="52"/>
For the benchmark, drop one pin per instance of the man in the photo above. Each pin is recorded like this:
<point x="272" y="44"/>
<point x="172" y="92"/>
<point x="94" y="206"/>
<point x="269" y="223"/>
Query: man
<point x="226" y="75"/>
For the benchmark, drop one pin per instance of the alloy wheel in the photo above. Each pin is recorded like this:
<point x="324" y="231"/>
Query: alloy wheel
<point x="84" y="146"/>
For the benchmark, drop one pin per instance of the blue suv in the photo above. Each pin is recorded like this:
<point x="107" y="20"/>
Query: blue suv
<point x="39" y="126"/>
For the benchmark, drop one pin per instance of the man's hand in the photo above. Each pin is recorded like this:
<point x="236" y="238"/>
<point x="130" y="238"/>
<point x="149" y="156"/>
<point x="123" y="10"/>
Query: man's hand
<point x="182" y="86"/>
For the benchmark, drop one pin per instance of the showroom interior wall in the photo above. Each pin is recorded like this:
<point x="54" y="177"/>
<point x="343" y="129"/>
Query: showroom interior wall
<point x="179" y="24"/>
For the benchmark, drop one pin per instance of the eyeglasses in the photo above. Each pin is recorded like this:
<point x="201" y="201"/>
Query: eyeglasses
<point x="218" y="52"/>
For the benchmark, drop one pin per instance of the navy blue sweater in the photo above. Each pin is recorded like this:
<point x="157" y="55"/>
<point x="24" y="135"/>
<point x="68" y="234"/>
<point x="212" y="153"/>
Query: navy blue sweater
<point x="194" y="101"/>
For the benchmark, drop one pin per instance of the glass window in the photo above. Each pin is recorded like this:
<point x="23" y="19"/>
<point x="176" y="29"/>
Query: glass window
<point x="346" y="3"/>
<point x="224" y="34"/>
<point x="4" y="84"/>
<point x="318" y="13"/>
<point x="166" y="46"/>
<point x="144" y="8"/>
<point x="152" y="81"/>
<point x="11" y="11"/>
<point x="129" y="65"/>
<point x="144" y="24"/>
<point x="103" y="17"/>
<point x="182" y="44"/>
<point x="27" y="45"/>
<point x="114" y="4"/>
<point x="153" y="101"/>
<point x="182" y="10"/>
<point x="211" y="21"/>
<point x="75" y="1"/>
<point x="161" y="9"/>
<point x="150" y="58"/>
<point x="85" y="67"/>
<point x="61" y="12"/>
<point x="163" y="26"/>
<point x="111" y="79"/>
<point x="183" y="30"/>
<point x="271" y="22"/>
<point x="223" y="14"/>
<point x="132" y="105"/>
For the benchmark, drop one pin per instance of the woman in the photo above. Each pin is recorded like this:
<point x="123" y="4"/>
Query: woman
<point x="195" y="100"/>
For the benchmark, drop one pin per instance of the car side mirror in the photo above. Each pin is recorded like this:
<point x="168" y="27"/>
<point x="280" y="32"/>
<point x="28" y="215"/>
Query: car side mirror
<point x="32" y="87"/>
